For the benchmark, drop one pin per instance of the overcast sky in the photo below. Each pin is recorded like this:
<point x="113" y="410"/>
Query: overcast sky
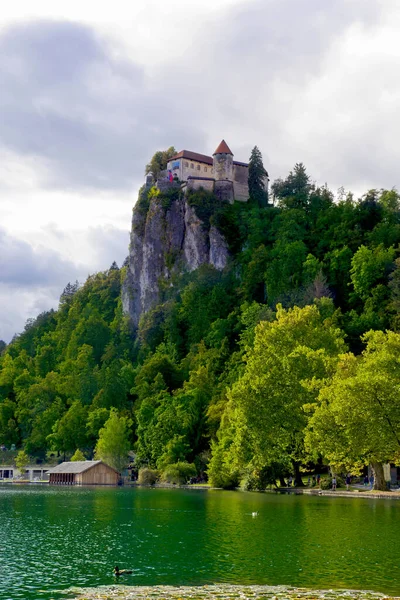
<point x="90" y="90"/>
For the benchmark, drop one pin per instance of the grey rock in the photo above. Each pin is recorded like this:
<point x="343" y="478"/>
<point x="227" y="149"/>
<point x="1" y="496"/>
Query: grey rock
<point x="163" y="242"/>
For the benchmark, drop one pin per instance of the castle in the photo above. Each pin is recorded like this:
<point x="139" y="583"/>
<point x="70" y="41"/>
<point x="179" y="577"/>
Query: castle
<point x="220" y="174"/>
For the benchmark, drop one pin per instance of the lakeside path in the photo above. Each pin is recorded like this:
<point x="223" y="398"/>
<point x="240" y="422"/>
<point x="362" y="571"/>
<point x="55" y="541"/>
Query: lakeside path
<point x="360" y="492"/>
<point x="389" y="495"/>
<point x="221" y="592"/>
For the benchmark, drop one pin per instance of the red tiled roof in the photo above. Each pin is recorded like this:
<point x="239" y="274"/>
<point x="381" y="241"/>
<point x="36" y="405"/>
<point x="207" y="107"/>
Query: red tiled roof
<point x="223" y="148"/>
<point x="193" y="156"/>
<point x="202" y="157"/>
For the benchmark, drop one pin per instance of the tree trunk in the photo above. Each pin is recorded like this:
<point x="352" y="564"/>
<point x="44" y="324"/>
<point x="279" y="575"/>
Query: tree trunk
<point x="298" y="482"/>
<point x="282" y="481"/>
<point x="379" y="477"/>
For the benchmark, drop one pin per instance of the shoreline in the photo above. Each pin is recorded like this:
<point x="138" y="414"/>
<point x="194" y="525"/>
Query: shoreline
<point x="358" y="493"/>
<point x="221" y="592"/>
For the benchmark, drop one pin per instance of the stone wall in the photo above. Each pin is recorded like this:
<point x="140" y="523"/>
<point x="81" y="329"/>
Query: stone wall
<point x="223" y="167"/>
<point x="241" y="191"/>
<point x="197" y="184"/>
<point x="224" y="191"/>
<point x="240" y="173"/>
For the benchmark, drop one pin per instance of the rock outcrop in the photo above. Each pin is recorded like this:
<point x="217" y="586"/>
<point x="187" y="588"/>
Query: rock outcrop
<point x="164" y="242"/>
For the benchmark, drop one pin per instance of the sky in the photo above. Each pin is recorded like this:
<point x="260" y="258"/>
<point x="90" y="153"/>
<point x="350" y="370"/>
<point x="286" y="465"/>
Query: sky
<point x="89" y="91"/>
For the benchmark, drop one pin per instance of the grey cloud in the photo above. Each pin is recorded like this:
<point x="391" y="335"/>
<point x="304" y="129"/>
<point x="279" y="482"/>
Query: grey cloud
<point x="16" y="306"/>
<point x="111" y="245"/>
<point x="32" y="280"/>
<point x="95" y="119"/>
<point x="65" y="99"/>
<point x="26" y="267"/>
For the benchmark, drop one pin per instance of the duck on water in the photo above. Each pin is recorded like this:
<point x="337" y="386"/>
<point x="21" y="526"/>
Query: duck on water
<point x="118" y="571"/>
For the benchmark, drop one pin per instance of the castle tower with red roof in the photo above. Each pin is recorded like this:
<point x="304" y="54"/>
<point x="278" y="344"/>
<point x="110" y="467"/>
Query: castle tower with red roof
<point x="223" y="163"/>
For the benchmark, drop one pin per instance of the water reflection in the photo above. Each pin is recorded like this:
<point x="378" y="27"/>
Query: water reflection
<point x="54" y="538"/>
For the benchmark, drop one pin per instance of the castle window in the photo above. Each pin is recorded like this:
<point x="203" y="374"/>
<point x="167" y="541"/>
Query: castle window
<point x="191" y="165"/>
<point x="205" y="169"/>
<point x="198" y="167"/>
<point x="186" y="164"/>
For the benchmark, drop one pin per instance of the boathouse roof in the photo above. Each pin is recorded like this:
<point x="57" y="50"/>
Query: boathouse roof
<point x="78" y="466"/>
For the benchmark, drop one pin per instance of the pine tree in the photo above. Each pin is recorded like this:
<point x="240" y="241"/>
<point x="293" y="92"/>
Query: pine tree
<point x="257" y="191"/>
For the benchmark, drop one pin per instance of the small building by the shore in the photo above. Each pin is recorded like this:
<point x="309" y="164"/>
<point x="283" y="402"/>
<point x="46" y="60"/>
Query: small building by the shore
<point x="32" y="473"/>
<point x="83" y="472"/>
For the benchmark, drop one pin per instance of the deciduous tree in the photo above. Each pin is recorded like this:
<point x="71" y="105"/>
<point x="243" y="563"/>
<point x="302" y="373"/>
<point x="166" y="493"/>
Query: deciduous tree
<point x="113" y="444"/>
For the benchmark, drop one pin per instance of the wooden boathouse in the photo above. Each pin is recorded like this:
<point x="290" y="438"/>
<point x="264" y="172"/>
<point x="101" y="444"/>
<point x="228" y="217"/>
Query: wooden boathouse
<point x="83" y="472"/>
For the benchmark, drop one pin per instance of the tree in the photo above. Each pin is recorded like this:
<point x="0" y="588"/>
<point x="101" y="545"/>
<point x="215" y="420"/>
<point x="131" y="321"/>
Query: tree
<point x="69" y="432"/>
<point x="69" y="292"/>
<point x="357" y="420"/>
<point x="266" y="405"/>
<point x="294" y="191"/>
<point x="21" y="461"/>
<point x="370" y="267"/>
<point x="257" y="177"/>
<point x="113" y="444"/>
<point x="3" y="346"/>
<point x="78" y="456"/>
<point x="159" y="161"/>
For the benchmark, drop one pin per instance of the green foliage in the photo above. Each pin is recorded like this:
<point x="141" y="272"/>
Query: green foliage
<point x="113" y="444"/>
<point x="78" y="456"/>
<point x="257" y="175"/>
<point x="159" y="161"/>
<point x="370" y="267"/>
<point x="294" y="191"/>
<point x="178" y="473"/>
<point x="206" y="205"/>
<point x="70" y="431"/>
<point x="148" y="476"/>
<point x="260" y="479"/>
<point x="357" y="420"/>
<point x="266" y="418"/>
<point x="326" y="482"/>
<point x="22" y="461"/>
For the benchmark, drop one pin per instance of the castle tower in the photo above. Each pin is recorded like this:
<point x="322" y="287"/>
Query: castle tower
<point x="223" y="163"/>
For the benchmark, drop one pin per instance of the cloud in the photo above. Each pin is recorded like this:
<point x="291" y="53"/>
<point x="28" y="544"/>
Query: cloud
<point x="23" y="266"/>
<point x="91" y="117"/>
<point x="94" y="117"/>
<point x="32" y="278"/>
<point x="17" y="305"/>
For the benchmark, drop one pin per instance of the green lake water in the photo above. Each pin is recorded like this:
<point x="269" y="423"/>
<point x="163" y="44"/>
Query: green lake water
<point x="52" y="538"/>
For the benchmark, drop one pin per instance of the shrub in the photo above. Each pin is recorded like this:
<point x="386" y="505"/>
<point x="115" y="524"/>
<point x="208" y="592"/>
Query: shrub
<point x="260" y="479"/>
<point x="179" y="472"/>
<point x="148" y="476"/>
<point x="205" y="205"/>
<point x="326" y="482"/>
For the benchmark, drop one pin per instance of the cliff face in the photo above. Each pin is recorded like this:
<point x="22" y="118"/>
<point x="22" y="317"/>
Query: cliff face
<point x="163" y="242"/>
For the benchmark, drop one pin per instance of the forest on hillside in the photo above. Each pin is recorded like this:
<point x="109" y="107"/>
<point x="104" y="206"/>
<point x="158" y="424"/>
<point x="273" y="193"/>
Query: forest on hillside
<point x="287" y="359"/>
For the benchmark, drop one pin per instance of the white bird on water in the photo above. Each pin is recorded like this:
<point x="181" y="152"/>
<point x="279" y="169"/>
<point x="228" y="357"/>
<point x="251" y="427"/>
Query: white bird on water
<point x="254" y="514"/>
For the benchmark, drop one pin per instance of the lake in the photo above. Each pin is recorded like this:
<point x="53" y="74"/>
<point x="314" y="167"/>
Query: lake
<point x="52" y="538"/>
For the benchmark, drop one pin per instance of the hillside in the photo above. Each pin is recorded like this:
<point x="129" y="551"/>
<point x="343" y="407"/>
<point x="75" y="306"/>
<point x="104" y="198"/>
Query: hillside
<point x="240" y="358"/>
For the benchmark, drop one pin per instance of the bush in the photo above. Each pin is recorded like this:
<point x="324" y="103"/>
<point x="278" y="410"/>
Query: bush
<point x="179" y="472"/>
<point x="326" y="483"/>
<point x="205" y="205"/>
<point x="148" y="476"/>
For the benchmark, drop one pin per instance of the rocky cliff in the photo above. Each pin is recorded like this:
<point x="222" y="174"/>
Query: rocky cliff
<point x="165" y="241"/>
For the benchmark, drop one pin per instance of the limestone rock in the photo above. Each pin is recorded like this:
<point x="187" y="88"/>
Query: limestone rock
<point x="163" y="242"/>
